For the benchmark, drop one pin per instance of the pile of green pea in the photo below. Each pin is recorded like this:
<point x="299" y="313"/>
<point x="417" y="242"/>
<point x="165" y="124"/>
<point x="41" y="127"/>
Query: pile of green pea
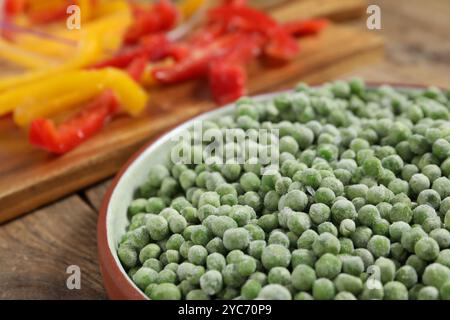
<point x="359" y="207"/>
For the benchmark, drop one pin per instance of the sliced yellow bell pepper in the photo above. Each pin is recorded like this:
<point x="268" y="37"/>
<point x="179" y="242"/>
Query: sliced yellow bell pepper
<point x="189" y="7"/>
<point x="89" y="51"/>
<point x="23" y="115"/>
<point x="23" y="58"/>
<point x="131" y="96"/>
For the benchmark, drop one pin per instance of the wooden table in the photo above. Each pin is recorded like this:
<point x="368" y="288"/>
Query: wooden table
<point x="36" y="250"/>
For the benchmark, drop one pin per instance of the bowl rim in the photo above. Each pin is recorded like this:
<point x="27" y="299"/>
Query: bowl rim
<point x="107" y="262"/>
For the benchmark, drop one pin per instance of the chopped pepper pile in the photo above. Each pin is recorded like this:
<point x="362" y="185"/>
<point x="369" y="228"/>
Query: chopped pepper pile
<point x="123" y="47"/>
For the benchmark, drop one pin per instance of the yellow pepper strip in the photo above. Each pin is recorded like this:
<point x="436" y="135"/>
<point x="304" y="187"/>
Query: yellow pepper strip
<point x="89" y="51"/>
<point x="131" y="96"/>
<point x="23" y="58"/>
<point x="43" y="46"/>
<point x="23" y="115"/>
<point x="189" y="7"/>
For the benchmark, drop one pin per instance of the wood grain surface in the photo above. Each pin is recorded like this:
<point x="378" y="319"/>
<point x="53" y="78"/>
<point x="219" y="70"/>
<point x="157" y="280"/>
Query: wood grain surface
<point x="417" y="51"/>
<point x="30" y="178"/>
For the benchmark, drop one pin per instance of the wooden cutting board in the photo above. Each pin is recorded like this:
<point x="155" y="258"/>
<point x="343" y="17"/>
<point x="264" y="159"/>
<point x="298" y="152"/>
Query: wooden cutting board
<point x="30" y="178"/>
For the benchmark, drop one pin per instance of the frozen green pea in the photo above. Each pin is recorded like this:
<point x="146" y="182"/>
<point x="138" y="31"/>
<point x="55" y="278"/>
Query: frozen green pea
<point x="197" y="255"/>
<point x="319" y="213"/>
<point x="326" y="243"/>
<point x="441" y="236"/>
<point x="215" y="245"/>
<point x="427" y="249"/>
<point x="255" y="248"/>
<point x="368" y="214"/>
<point x="324" y="196"/>
<point x="328" y="266"/>
<point x="145" y="276"/>
<point x="395" y="290"/>
<point x="232" y="277"/>
<point x="406" y="275"/>
<point x="278" y="237"/>
<point x="348" y="283"/>
<point x="445" y="291"/>
<point x="419" y="182"/>
<point x="236" y="238"/>
<point x="215" y="261"/>
<point x="151" y="250"/>
<point x="167" y="276"/>
<point x="303" y="277"/>
<point x="246" y="266"/>
<point x="302" y="256"/>
<point x="275" y="255"/>
<point x="157" y="227"/>
<point x="347" y="227"/>
<point x="137" y="206"/>
<point x="268" y="222"/>
<point x="398" y="252"/>
<point x="165" y="291"/>
<point x="279" y="275"/>
<point x="250" y="290"/>
<point x="400" y="212"/>
<point x="436" y="275"/>
<point x="327" y="227"/>
<point x="127" y="255"/>
<point x="153" y="263"/>
<point x="223" y="224"/>
<point x="379" y="246"/>
<point x="200" y="235"/>
<point x="323" y="289"/>
<point x="346" y="246"/>
<point x="344" y="296"/>
<point x="361" y="237"/>
<point x="296" y="200"/>
<point x="343" y="209"/>
<point x="274" y="292"/>
<point x="352" y="265"/>
<point x="442" y="186"/>
<point x="386" y="269"/>
<point x="410" y="237"/>
<point x="333" y="184"/>
<point x="211" y="282"/>
<point x="372" y="167"/>
<point x="306" y="239"/>
<point x="298" y="222"/>
<point x="428" y="293"/>
<point x="429" y="197"/>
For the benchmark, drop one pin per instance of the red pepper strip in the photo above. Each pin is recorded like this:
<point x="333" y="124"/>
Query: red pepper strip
<point x="227" y="82"/>
<point x="281" y="45"/>
<point x="44" y="134"/>
<point x="162" y="16"/>
<point x="47" y="16"/>
<point x="137" y="67"/>
<point x="197" y="63"/>
<point x="13" y="7"/>
<point x="155" y="47"/>
<point x="243" y="18"/>
<point x="305" y="27"/>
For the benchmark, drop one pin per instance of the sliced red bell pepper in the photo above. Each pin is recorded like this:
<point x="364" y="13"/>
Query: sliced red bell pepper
<point x="233" y="47"/>
<point x="227" y="82"/>
<point x="155" y="47"/>
<point x="13" y="7"/>
<point x="137" y="67"/>
<point x="305" y="27"/>
<point x="48" y="16"/>
<point x="281" y="45"/>
<point x="63" y="138"/>
<point x="161" y="16"/>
